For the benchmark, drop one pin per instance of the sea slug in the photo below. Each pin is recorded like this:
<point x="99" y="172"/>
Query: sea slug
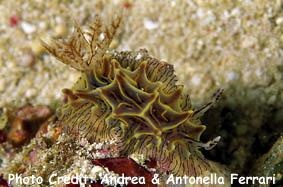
<point x="130" y="97"/>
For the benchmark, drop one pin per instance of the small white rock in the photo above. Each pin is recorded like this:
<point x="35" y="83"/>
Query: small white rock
<point x="27" y="59"/>
<point x="226" y="15"/>
<point x="259" y="72"/>
<point x="42" y="25"/>
<point x="99" y="146"/>
<point x="149" y="24"/>
<point x="101" y="36"/>
<point x="28" y="28"/>
<point x="30" y="92"/>
<point x="196" y="80"/>
<point x="139" y="56"/>
<point x="249" y="41"/>
<point x="232" y="76"/>
<point x="235" y="12"/>
<point x="279" y="21"/>
<point x="96" y="170"/>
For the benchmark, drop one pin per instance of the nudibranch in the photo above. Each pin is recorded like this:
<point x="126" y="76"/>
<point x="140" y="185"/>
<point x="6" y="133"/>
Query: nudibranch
<point x="130" y="97"/>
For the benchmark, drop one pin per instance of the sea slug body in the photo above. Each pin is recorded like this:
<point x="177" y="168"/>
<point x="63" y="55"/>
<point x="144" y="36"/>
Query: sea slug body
<point x="130" y="97"/>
